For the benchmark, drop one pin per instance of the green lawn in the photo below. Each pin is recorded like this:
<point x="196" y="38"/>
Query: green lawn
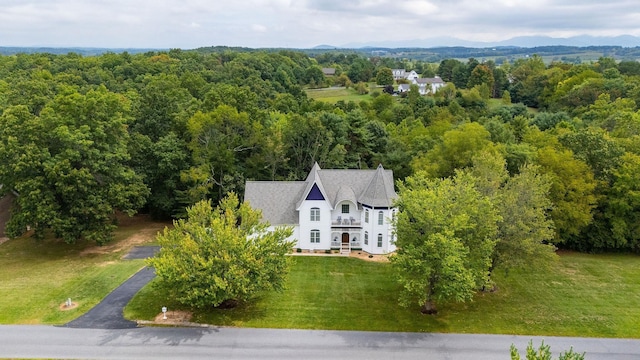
<point x="584" y="295"/>
<point x="36" y="277"/>
<point x="333" y="95"/>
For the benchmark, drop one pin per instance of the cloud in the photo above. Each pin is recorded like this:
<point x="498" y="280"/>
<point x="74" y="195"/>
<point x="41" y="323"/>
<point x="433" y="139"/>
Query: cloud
<point x="302" y="23"/>
<point x="259" y="28"/>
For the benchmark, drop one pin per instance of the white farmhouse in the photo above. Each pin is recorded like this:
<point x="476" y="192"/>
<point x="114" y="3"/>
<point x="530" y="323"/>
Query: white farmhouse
<point x="399" y="74"/>
<point x="332" y="209"/>
<point x="412" y="75"/>
<point x="428" y="85"/>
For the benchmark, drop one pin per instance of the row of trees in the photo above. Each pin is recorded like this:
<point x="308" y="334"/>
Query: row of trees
<point x="161" y="131"/>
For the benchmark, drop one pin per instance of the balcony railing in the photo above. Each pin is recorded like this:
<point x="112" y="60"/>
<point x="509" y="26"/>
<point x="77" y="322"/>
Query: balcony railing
<point x="354" y="244"/>
<point x="345" y="222"/>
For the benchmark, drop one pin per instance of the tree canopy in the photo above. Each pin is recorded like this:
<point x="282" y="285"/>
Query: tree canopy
<point x="221" y="256"/>
<point x="68" y="165"/>
<point x="161" y="130"/>
<point x="446" y="233"/>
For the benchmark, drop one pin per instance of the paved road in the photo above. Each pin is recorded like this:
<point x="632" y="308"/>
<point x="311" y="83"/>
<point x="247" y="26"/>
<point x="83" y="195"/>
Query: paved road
<point x="108" y="313"/>
<point x="24" y="341"/>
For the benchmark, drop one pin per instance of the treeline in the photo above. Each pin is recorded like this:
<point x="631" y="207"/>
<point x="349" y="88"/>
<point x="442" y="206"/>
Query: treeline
<point x="500" y="53"/>
<point x="85" y="136"/>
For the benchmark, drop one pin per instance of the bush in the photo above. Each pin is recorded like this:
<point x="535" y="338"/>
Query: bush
<point x="544" y="353"/>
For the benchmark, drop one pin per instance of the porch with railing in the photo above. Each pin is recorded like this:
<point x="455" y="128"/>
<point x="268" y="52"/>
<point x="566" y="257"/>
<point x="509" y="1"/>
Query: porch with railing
<point x="339" y="241"/>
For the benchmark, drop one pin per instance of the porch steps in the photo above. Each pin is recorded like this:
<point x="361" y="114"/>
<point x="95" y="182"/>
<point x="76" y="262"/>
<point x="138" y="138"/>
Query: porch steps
<point x="345" y="249"/>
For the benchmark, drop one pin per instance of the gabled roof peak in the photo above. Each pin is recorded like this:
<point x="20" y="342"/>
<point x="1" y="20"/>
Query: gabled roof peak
<point x="313" y="179"/>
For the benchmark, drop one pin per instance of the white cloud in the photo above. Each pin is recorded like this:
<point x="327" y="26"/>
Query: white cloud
<point x="301" y="23"/>
<point x="259" y="28"/>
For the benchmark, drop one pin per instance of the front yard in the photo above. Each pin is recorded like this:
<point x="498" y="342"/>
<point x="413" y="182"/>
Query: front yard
<point x="36" y="278"/>
<point x="584" y="295"/>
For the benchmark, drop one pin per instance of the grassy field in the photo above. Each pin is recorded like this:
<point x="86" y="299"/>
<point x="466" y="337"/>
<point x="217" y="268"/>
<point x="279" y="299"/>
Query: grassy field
<point x="583" y="295"/>
<point x="36" y="277"/>
<point x="335" y="94"/>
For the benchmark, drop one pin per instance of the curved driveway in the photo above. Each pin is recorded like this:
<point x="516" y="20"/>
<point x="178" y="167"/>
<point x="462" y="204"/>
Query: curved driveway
<point x="108" y="313"/>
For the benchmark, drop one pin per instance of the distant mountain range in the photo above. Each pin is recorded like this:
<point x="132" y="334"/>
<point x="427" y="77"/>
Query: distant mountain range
<point x="520" y="41"/>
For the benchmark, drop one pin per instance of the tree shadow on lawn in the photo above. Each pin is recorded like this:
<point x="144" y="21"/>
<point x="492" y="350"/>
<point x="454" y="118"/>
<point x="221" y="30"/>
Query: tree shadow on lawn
<point x="235" y="316"/>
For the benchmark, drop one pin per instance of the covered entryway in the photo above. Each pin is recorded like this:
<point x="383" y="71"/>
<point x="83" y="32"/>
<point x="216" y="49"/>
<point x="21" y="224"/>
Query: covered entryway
<point x="345" y="246"/>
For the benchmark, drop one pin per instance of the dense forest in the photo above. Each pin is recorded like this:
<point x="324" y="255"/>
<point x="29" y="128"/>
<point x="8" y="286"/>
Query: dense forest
<point x="84" y="136"/>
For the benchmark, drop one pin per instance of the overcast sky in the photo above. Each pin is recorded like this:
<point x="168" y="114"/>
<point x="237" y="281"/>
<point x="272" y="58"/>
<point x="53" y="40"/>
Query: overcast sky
<point x="190" y="24"/>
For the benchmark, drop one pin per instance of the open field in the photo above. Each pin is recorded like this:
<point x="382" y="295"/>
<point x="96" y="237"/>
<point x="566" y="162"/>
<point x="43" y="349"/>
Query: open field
<point x="37" y="277"/>
<point x="583" y="295"/>
<point x="335" y="94"/>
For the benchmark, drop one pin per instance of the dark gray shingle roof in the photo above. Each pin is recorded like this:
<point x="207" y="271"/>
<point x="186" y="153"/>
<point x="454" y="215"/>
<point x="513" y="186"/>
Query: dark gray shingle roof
<point x="276" y="199"/>
<point x="279" y="200"/>
<point x="379" y="192"/>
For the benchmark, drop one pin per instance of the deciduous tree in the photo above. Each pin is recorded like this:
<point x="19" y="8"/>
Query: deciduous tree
<point x="384" y="76"/>
<point x="69" y="166"/>
<point x="221" y="256"/>
<point x="445" y="234"/>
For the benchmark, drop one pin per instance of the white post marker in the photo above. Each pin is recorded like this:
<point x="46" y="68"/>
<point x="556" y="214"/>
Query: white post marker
<point x="164" y="313"/>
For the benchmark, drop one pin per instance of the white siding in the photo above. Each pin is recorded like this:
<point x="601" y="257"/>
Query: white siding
<point x="373" y="228"/>
<point x="306" y="225"/>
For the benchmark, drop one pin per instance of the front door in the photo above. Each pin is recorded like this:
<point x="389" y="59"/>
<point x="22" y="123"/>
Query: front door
<point x="345" y="238"/>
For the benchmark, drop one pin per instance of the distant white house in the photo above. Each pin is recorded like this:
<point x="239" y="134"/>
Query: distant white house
<point x="412" y="75"/>
<point x="332" y="209"/>
<point x="398" y="74"/>
<point x="404" y="88"/>
<point x="429" y="85"/>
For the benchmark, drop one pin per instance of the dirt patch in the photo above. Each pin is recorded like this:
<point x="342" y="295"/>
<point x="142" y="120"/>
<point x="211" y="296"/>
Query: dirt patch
<point x="106" y="263"/>
<point x="173" y="317"/>
<point x="141" y="237"/>
<point x="3" y="239"/>
<point x="370" y="257"/>
<point x="65" y="307"/>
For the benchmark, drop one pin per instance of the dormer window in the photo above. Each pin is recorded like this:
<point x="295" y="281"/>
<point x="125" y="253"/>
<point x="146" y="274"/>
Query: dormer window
<point x="345" y="208"/>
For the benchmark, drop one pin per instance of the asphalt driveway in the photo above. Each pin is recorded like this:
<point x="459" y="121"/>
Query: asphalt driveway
<point x="108" y="313"/>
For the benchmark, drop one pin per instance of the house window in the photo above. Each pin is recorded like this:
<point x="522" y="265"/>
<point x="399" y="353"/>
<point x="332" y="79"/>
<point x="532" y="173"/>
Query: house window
<point x="366" y="238"/>
<point x="315" y="236"/>
<point x="366" y="216"/>
<point x="380" y="218"/>
<point x="379" y="240"/>
<point x="345" y="208"/>
<point x="315" y="214"/>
